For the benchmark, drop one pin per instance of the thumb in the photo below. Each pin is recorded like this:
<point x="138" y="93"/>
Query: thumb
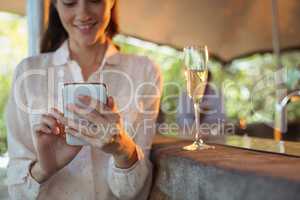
<point x="110" y="102"/>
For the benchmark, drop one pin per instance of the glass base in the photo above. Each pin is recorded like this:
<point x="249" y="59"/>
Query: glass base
<point x="198" y="145"/>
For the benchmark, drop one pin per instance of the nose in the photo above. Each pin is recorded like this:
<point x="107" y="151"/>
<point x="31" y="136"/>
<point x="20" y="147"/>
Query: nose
<point x="83" y="12"/>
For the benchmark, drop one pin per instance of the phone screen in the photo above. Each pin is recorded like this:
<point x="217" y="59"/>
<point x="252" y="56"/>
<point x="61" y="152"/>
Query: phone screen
<point x="71" y="91"/>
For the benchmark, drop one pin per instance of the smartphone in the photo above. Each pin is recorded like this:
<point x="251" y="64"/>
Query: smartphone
<point x="71" y="91"/>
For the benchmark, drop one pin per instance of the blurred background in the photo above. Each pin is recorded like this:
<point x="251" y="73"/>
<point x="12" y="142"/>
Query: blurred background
<point x="238" y="77"/>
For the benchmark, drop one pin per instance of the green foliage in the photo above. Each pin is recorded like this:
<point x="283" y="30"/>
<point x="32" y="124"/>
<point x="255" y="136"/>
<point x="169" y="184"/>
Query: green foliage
<point x="292" y="63"/>
<point x="5" y="82"/>
<point x="250" y="86"/>
<point x="13" y="40"/>
<point x="170" y="63"/>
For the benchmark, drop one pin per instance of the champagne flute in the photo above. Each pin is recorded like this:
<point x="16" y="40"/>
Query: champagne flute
<point x="196" y="72"/>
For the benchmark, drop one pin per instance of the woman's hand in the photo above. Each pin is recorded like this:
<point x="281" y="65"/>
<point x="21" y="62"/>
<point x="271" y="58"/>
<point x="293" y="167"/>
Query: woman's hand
<point x="101" y="126"/>
<point x="53" y="153"/>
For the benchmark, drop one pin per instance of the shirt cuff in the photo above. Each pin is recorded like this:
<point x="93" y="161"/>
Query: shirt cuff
<point x="140" y="156"/>
<point x="21" y="185"/>
<point x="32" y="185"/>
<point x="127" y="183"/>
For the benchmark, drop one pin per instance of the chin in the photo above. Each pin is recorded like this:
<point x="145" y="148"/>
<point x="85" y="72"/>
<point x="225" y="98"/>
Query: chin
<point x="86" y="42"/>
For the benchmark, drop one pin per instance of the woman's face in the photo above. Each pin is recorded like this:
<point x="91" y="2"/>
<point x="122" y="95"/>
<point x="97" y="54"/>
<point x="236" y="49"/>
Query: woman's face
<point x="85" y="20"/>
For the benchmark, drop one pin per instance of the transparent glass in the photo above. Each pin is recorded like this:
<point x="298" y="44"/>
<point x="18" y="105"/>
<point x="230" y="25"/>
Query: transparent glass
<point x="196" y="72"/>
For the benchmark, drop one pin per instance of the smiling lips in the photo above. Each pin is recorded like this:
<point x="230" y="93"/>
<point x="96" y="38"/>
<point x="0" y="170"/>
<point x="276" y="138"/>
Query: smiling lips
<point x="86" y="28"/>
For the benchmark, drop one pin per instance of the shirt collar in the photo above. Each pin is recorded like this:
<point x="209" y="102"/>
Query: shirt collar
<point x="62" y="54"/>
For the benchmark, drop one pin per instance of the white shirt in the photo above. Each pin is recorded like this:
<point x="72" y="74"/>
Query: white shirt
<point x="135" y="84"/>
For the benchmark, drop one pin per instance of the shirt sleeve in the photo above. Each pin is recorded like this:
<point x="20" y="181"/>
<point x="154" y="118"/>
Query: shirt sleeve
<point x="20" y="145"/>
<point x="135" y="182"/>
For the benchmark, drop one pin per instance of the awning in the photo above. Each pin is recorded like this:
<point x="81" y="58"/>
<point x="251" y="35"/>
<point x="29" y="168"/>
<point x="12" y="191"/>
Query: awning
<point x="229" y="27"/>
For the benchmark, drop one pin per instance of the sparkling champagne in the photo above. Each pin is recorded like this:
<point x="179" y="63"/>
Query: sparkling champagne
<point x="196" y="65"/>
<point x="196" y="83"/>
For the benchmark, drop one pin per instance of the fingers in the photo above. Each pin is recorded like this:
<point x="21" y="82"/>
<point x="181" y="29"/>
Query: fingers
<point x="111" y="103"/>
<point x="80" y="134"/>
<point x="84" y="128"/>
<point x="61" y="120"/>
<point x="55" y="110"/>
<point x="91" y="115"/>
<point x="95" y="104"/>
<point x="92" y="140"/>
<point x="92" y="111"/>
<point x="96" y="111"/>
<point x="79" y="127"/>
<point x="57" y="115"/>
<point x="69" y="123"/>
<point x="51" y="122"/>
<point x="42" y="128"/>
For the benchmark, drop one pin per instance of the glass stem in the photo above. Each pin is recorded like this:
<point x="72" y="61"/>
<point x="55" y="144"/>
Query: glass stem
<point x="197" y="121"/>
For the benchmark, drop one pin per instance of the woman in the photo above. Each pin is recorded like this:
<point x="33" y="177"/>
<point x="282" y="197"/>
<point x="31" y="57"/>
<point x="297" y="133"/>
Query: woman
<point x="77" y="47"/>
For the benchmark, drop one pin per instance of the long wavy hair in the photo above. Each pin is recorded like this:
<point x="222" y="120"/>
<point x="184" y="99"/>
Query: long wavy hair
<point x="56" y="34"/>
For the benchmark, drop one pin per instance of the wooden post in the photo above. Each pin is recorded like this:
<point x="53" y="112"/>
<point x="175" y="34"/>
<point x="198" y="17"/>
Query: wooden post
<point x="37" y="18"/>
<point x="281" y="90"/>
